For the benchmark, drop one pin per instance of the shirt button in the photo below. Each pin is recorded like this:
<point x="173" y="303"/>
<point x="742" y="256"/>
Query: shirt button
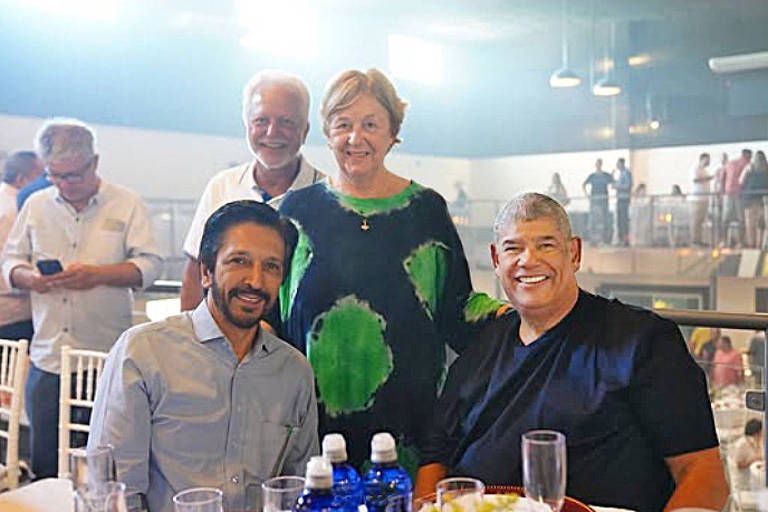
<point x="64" y="300"/>
<point x="66" y="329"/>
<point x="77" y="219"/>
<point x="74" y="245"/>
<point x="235" y="480"/>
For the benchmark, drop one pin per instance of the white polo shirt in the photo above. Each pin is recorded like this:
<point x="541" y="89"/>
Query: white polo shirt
<point x="235" y="184"/>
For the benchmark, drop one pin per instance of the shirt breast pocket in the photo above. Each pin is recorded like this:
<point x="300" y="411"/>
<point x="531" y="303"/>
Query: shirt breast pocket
<point x="274" y="442"/>
<point x="109" y="247"/>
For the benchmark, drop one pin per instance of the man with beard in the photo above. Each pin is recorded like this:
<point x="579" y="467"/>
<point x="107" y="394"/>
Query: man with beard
<point x="276" y="120"/>
<point x="207" y="398"/>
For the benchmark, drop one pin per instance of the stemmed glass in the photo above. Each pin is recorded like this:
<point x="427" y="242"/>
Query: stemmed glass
<point x="199" y="499"/>
<point x="544" y="467"/>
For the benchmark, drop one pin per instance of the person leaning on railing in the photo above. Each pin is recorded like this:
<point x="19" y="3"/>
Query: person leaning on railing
<point x="754" y="186"/>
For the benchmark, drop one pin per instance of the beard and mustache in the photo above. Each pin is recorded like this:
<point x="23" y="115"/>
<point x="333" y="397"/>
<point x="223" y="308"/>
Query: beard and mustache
<point x="223" y="304"/>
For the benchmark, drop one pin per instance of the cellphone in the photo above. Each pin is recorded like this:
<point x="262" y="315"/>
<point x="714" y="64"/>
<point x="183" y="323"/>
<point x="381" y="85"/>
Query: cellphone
<point x="48" y="267"/>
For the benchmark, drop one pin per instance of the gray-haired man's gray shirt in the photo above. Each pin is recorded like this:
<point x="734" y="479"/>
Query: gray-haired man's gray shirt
<point x="181" y="411"/>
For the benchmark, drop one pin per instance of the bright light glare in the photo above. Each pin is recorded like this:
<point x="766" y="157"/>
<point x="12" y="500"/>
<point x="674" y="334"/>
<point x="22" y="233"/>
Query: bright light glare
<point x="654" y="125"/>
<point x="100" y="10"/>
<point x="606" y="88"/>
<point x="160" y="309"/>
<point x="564" y="77"/>
<point x="415" y="59"/>
<point x="287" y="28"/>
<point x="641" y="59"/>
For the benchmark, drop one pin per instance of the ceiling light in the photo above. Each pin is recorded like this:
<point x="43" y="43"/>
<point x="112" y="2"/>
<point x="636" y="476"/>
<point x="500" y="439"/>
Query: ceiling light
<point x="641" y="59"/>
<point x="654" y="124"/>
<point x="606" y="87"/>
<point x="737" y="63"/>
<point x="564" y="77"/>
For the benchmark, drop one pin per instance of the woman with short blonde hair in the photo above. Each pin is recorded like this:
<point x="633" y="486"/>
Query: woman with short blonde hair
<point x="379" y="280"/>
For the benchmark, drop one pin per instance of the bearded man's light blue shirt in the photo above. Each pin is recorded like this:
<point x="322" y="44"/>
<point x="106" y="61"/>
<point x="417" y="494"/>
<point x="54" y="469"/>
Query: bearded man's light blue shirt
<point x="181" y="411"/>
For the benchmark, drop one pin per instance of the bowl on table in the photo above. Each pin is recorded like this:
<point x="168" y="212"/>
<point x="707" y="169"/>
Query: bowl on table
<point x="495" y="493"/>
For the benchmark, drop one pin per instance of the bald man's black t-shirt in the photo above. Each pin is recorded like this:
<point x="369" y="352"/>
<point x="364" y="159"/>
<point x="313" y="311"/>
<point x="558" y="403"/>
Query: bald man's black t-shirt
<point x="616" y="380"/>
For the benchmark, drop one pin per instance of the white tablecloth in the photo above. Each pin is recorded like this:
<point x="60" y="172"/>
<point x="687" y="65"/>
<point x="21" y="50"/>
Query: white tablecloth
<point x="47" y="495"/>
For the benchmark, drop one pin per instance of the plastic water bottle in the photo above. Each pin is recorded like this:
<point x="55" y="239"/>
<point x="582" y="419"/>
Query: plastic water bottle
<point x="387" y="485"/>
<point x="318" y="487"/>
<point x="347" y="486"/>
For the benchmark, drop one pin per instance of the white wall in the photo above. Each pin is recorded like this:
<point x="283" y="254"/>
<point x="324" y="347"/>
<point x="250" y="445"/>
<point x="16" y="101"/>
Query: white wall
<point x="176" y="165"/>
<point x="502" y="178"/>
<point x="439" y="173"/>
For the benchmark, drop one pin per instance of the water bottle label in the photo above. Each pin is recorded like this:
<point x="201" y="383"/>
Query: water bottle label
<point x="399" y="503"/>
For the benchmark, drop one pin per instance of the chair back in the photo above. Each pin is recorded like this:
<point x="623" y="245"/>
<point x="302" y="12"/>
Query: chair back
<point x="80" y="372"/>
<point x="14" y="363"/>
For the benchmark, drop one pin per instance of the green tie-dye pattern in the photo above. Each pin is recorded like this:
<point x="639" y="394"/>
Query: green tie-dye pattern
<point x="480" y="306"/>
<point x="302" y="257"/>
<point x="347" y="351"/>
<point x="427" y="267"/>
<point x="373" y="205"/>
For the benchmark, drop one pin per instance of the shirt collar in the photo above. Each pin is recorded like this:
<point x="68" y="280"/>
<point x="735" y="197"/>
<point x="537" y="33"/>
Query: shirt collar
<point x="305" y="176"/>
<point x="94" y="199"/>
<point x="206" y="329"/>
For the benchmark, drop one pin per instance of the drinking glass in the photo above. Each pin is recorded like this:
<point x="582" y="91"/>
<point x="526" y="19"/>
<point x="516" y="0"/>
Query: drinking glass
<point x="92" y="465"/>
<point x="100" y="497"/>
<point x="463" y="494"/>
<point x="199" y="499"/>
<point x="279" y="494"/>
<point x="544" y="467"/>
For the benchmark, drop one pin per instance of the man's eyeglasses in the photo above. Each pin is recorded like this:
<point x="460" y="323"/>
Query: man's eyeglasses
<point x="73" y="177"/>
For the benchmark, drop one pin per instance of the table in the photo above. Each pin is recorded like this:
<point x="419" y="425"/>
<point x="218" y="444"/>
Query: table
<point x="41" y="496"/>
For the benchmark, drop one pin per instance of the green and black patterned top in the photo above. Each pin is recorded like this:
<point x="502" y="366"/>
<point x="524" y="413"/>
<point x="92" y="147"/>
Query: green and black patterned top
<point x="376" y="289"/>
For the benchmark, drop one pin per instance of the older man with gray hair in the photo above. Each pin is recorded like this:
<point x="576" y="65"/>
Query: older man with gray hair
<point x="80" y="247"/>
<point x="617" y="380"/>
<point x="276" y="119"/>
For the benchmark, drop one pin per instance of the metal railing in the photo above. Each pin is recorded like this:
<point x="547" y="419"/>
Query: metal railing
<point x="755" y="400"/>
<point x="659" y="220"/>
<point x="654" y="221"/>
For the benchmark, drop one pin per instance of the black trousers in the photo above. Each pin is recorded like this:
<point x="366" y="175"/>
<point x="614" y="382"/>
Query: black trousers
<point x="17" y="331"/>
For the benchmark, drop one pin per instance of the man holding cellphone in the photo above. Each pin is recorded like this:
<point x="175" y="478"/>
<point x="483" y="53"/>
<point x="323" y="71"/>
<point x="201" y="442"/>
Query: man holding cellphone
<point x="101" y="236"/>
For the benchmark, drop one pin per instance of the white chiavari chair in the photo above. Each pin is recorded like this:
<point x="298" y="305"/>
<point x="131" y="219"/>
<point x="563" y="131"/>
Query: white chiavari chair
<point x="14" y="363"/>
<point x="80" y="372"/>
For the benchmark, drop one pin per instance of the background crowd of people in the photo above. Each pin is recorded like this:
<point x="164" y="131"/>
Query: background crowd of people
<point x="723" y="206"/>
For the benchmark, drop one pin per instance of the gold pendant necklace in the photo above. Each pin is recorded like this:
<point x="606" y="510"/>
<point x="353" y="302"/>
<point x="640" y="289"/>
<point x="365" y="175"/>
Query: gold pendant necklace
<point x="364" y="226"/>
